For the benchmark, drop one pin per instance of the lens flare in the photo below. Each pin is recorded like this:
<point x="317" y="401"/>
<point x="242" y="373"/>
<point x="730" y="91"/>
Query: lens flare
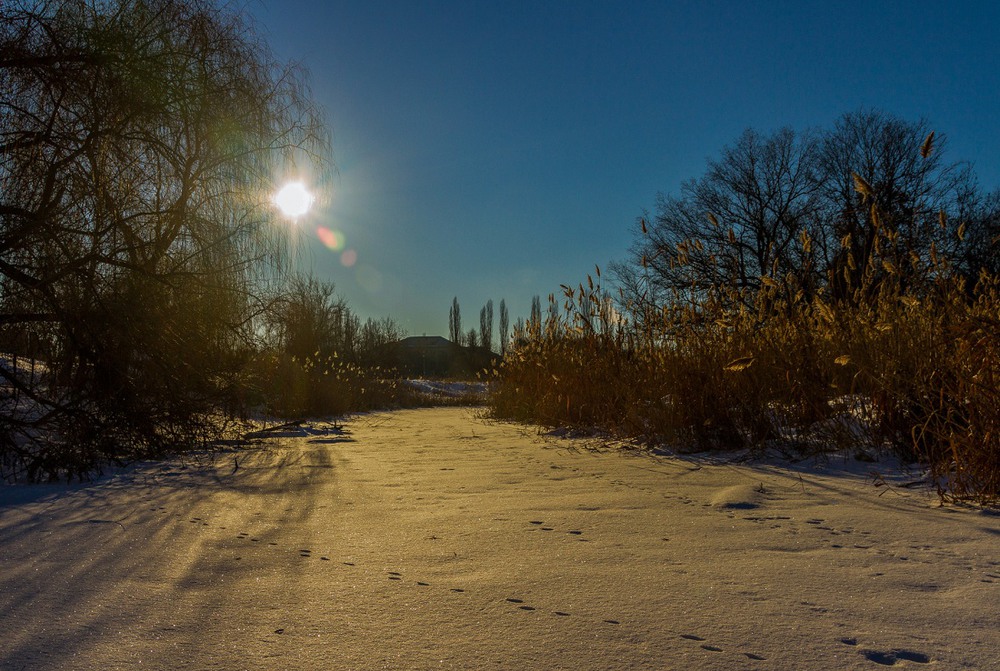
<point x="334" y="240"/>
<point x="369" y="279"/>
<point x="349" y="258"/>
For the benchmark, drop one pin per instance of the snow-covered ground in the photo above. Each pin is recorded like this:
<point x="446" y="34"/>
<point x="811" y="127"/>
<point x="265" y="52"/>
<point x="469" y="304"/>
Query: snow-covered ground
<point x="428" y="539"/>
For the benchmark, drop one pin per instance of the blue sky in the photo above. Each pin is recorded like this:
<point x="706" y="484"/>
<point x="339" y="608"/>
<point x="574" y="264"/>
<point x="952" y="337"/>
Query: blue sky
<point x="498" y="149"/>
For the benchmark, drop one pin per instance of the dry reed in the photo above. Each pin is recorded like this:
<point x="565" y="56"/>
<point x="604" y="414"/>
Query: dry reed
<point x="907" y="360"/>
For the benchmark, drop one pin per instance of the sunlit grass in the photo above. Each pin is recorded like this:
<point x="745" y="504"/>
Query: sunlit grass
<point x="911" y="367"/>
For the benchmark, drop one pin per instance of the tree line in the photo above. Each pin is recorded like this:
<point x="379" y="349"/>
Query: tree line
<point x="798" y="206"/>
<point x="508" y="334"/>
<point x="812" y="291"/>
<point x="483" y="337"/>
<point x="146" y="296"/>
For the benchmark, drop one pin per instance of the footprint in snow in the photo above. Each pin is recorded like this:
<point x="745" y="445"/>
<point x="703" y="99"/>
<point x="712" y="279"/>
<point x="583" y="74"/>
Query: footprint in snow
<point x="894" y="656"/>
<point x="538" y="524"/>
<point x="560" y="613"/>
<point x="715" y="648"/>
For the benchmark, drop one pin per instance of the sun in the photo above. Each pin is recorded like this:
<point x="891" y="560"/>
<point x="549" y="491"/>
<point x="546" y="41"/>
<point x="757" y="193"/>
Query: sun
<point x="294" y="199"/>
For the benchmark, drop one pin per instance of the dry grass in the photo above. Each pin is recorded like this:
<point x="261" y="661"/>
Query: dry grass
<point x="328" y="386"/>
<point x="908" y="361"/>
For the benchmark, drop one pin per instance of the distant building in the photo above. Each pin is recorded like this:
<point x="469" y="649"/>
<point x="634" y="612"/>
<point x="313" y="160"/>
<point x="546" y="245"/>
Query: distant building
<point x="426" y="356"/>
<point x="436" y="357"/>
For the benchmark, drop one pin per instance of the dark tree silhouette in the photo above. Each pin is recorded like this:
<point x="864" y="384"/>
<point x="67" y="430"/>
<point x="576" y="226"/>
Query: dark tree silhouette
<point x="813" y="208"/>
<point x="535" y="318"/>
<point x="455" y="322"/>
<point x="871" y="162"/>
<point x="486" y="325"/>
<point x="139" y="143"/>
<point x="504" y="327"/>
<point x="739" y="222"/>
<point x="310" y="321"/>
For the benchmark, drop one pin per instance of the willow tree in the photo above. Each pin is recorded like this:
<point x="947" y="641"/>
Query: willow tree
<point x="139" y="144"/>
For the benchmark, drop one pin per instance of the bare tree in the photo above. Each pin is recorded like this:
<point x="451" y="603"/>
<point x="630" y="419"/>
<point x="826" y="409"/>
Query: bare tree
<point x="455" y="322"/>
<point x="535" y="317"/>
<point x="486" y="325"/>
<point x="139" y="144"/>
<point x="980" y="244"/>
<point x="377" y="336"/>
<point x="886" y="188"/>
<point x="520" y="330"/>
<point x="816" y="207"/>
<point x="738" y="223"/>
<point x="309" y="320"/>
<point x="553" y="323"/>
<point x="504" y="327"/>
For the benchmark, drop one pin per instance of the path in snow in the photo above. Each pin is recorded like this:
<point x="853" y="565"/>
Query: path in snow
<point x="428" y="539"/>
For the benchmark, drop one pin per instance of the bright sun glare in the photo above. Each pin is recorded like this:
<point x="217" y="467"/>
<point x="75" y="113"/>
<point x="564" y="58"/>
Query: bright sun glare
<point x="294" y="199"/>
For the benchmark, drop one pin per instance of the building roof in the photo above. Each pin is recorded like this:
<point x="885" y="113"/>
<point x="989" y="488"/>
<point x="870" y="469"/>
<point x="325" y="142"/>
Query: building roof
<point x="425" y="342"/>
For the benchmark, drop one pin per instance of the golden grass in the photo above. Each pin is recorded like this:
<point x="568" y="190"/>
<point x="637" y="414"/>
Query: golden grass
<point x="910" y="365"/>
<point x="324" y="386"/>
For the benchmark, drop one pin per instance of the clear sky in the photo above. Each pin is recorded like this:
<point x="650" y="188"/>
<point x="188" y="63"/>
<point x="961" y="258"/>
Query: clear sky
<point x="498" y="149"/>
